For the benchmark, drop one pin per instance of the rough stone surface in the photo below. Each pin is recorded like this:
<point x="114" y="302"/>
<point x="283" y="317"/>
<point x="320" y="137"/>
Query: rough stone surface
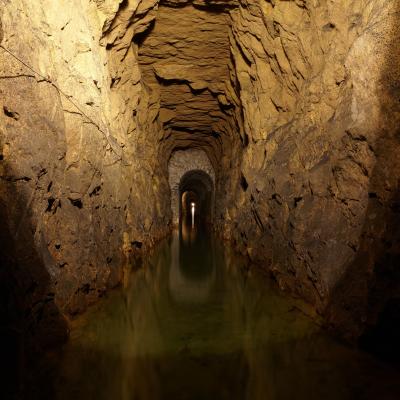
<point x="319" y="86"/>
<point x="80" y="179"/>
<point x="295" y="103"/>
<point x="187" y="68"/>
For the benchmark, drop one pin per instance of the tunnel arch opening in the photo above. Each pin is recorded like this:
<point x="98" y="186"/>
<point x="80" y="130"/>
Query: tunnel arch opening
<point x="196" y="193"/>
<point x="185" y="169"/>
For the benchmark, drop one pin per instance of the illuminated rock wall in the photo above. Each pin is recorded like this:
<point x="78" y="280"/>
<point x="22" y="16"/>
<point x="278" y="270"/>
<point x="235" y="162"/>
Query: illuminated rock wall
<point x="295" y="104"/>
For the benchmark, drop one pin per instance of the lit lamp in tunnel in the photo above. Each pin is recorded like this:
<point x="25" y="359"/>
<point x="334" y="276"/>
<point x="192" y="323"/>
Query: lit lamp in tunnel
<point x="193" y="207"/>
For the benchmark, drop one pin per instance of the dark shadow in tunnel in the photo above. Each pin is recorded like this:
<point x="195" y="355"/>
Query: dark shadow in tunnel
<point x="196" y="254"/>
<point x="366" y="301"/>
<point x="30" y="321"/>
<point x="209" y="6"/>
<point x="196" y="193"/>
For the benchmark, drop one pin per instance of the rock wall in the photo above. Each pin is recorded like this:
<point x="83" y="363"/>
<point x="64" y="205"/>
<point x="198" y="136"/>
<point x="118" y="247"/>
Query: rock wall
<point x="294" y="102"/>
<point x="319" y="89"/>
<point x="80" y="177"/>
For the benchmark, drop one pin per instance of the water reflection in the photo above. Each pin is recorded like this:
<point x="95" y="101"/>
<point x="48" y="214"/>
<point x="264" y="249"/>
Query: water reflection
<point x="192" y="273"/>
<point x="194" y="323"/>
<point x="188" y="233"/>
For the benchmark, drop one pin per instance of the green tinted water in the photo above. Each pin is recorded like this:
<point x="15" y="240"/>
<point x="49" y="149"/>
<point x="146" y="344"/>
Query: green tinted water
<point x="195" y="323"/>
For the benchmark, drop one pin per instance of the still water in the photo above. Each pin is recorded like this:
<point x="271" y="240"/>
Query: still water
<point x="194" y="322"/>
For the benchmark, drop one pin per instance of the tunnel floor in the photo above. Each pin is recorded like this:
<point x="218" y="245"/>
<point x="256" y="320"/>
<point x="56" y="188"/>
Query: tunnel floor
<point x="194" y="322"/>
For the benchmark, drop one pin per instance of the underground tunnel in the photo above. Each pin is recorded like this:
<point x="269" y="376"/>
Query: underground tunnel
<point x="196" y="194"/>
<point x="202" y="189"/>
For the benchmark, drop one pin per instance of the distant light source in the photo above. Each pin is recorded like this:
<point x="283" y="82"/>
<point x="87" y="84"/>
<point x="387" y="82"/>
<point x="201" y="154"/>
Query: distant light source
<point x="193" y="207"/>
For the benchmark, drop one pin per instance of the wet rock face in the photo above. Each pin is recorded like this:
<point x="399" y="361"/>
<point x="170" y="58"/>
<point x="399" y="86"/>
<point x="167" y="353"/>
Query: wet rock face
<point x="187" y="68"/>
<point x="80" y="183"/>
<point x="317" y="86"/>
<point x="294" y="103"/>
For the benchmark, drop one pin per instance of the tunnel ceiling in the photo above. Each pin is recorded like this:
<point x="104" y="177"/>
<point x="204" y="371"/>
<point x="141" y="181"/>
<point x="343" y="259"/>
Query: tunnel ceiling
<point x="224" y="4"/>
<point x="196" y="181"/>
<point x="185" y="60"/>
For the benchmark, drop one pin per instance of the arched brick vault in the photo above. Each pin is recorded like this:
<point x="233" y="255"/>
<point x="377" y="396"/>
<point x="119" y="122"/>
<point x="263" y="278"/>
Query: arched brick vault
<point x="182" y="162"/>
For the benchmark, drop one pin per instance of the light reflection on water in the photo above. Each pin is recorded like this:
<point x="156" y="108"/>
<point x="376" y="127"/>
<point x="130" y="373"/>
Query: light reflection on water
<point x="195" y="323"/>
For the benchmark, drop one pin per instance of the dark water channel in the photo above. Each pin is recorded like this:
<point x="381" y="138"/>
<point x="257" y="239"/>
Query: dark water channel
<point x="194" y="322"/>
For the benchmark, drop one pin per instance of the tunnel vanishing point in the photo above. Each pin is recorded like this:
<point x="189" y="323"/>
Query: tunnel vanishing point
<point x="280" y="119"/>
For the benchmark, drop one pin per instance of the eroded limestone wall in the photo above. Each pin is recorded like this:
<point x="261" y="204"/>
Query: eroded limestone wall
<point x="294" y="102"/>
<point x="79" y="174"/>
<point x="319" y="89"/>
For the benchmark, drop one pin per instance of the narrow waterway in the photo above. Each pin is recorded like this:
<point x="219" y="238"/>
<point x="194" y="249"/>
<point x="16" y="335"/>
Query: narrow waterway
<point x="194" y="322"/>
